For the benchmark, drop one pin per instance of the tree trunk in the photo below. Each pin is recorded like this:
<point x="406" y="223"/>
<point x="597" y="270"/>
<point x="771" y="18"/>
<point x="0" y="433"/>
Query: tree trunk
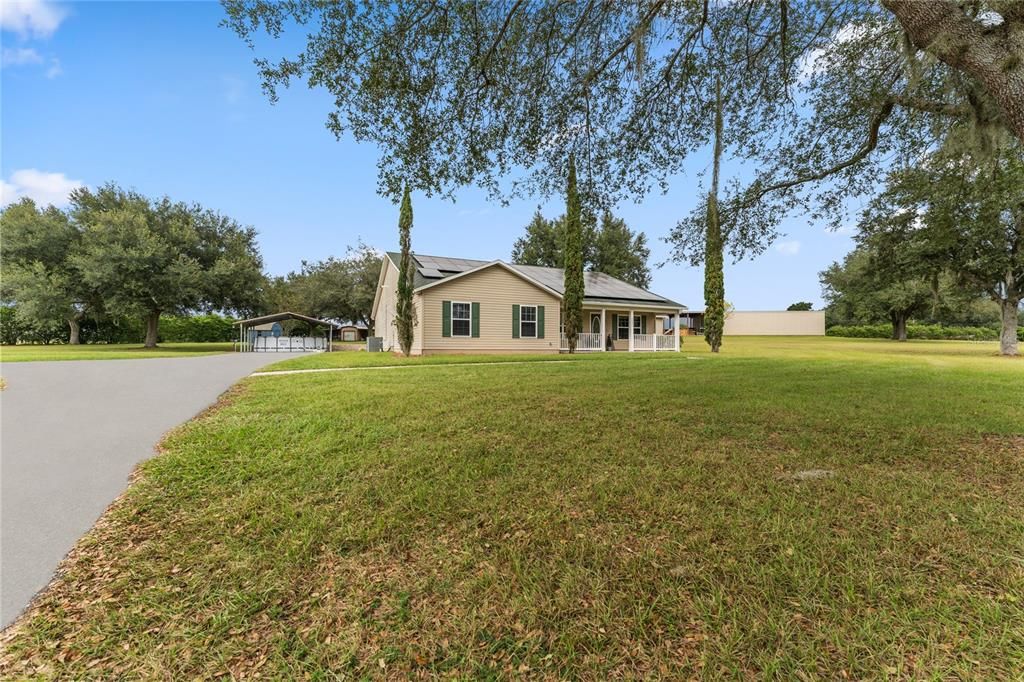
<point x="74" y="338"/>
<point x="1008" y="338"/>
<point x="943" y="30"/>
<point x="899" y="327"/>
<point x="152" y="326"/>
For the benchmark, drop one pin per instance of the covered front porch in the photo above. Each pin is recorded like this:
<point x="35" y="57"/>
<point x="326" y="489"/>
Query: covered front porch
<point x="625" y="329"/>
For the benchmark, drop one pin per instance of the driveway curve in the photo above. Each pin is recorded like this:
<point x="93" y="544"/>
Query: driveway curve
<point x="71" y="432"/>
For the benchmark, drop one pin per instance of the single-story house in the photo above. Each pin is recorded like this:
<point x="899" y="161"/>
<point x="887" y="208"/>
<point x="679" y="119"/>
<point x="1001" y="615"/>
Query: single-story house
<point x="351" y="331"/>
<point x="761" y="323"/>
<point x="475" y="306"/>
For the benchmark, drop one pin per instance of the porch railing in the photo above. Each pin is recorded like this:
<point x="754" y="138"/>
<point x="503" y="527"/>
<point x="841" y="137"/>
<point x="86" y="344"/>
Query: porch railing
<point x="588" y="342"/>
<point x="644" y="342"/>
<point x="585" y="341"/>
<point x="665" y="342"/>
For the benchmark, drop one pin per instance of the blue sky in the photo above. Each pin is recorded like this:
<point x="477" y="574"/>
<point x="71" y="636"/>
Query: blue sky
<point x="158" y="97"/>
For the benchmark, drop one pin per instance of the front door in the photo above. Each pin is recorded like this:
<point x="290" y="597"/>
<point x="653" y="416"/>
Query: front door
<point x="595" y="323"/>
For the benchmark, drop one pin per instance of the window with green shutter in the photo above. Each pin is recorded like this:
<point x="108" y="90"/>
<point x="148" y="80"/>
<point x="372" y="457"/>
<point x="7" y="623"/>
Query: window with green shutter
<point x="528" y="321"/>
<point x="515" y="320"/>
<point x="446" y="318"/>
<point x="540" y="322"/>
<point x="462" y="318"/>
<point x="476" y="320"/>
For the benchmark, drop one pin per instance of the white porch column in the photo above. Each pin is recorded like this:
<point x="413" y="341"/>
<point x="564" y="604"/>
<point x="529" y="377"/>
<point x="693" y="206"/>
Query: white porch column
<point x="604" y="346"/>
<point x="630" y="331"/>
<point x="678" y="328"/>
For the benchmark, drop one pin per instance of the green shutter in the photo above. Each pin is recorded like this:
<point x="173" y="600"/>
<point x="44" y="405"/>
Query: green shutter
<point x="643" y="324"/>
<point x="615" y="327"/>
<point x="475" y="317"/>
<point x="540" y="322"/>
<point x="446" y="318"/>
<point x="515" y="320"/>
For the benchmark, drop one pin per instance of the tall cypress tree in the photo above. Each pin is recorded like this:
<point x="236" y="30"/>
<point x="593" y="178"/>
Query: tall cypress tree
<point x="404" y="315"/>
<point x="714" y="277"/>
<point x="572" y="254"/>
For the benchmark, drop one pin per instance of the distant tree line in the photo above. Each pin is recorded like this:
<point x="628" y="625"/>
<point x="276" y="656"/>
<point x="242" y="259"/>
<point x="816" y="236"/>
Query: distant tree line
<point x="943" y="243"/>
<point x="115" y="254"/>
<point x="335" y="288"/>
<point x="201" y="328"/>
<point x="608" y="246"/>
<point x="118" y="267"/>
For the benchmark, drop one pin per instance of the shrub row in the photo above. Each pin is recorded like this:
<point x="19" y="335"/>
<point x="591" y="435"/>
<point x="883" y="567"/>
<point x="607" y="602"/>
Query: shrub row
<point x="920" y="331"/>
<point x="173" y="329"/>
<point x="197" y="329"/>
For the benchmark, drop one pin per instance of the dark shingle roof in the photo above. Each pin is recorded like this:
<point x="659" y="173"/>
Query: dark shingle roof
<point x="597" y="285"/>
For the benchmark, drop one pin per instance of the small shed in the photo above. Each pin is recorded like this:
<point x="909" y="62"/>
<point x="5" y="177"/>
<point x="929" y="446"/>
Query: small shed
<point x="351" y="331"/>
<point x="266" y="334"/>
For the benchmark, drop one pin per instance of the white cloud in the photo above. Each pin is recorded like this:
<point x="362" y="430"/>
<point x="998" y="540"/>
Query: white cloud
<point x="789" y="248"/>
<point x="16" y="56"/>
<point x="31" y="18"/>
<point x="27" y="56"/>
<point x="43" y="188"/>
<point x="817" y="60"/>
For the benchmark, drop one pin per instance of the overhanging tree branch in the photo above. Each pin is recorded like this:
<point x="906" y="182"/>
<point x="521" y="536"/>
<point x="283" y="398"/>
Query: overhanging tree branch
<point x="756" y="192"/>
<point x="647" y="18"/>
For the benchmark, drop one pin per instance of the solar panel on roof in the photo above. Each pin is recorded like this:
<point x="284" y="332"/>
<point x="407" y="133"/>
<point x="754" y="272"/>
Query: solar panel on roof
<point x="433" y="273"/>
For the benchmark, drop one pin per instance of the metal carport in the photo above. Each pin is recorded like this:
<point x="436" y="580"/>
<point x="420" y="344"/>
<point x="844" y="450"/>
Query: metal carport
<point x="249" y="340"/>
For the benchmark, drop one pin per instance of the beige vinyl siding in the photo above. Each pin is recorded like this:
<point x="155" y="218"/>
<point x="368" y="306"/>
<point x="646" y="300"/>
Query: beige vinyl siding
<point x="384" y="325"/>
<point x="775" y="323"/>
<point x="496" y="290"/>
<point x="417" y="331"/>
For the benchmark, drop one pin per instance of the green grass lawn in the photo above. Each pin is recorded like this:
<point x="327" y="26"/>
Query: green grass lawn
<point x="616" y="516"/>
<point x="112" y="351"/>
<point x="364" y="359"/>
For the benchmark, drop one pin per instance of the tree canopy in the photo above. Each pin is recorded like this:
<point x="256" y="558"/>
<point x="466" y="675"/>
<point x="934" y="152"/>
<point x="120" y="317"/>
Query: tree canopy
<point x="38" y="269"/>
<point x="958" y="214"/>
<point x="863" y="288"/>
<point x="610" y="247"/>
<point x="335" y="288"/>
<point x="149" y="257"/>
<point x="821" y="95"/>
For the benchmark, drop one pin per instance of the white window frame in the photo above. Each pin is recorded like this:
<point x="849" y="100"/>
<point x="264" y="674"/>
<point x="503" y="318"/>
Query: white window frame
<point x="637" y="324"/>
<point x="535" y="320"/>
<point x="469" y="320"/>
<point x="619" y="327"/>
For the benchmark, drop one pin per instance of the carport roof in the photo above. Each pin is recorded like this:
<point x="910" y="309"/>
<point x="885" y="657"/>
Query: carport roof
<point x="278" y="317"/>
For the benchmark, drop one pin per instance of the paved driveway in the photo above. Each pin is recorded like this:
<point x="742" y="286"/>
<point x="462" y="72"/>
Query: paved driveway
<point x="71" y="433"/>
